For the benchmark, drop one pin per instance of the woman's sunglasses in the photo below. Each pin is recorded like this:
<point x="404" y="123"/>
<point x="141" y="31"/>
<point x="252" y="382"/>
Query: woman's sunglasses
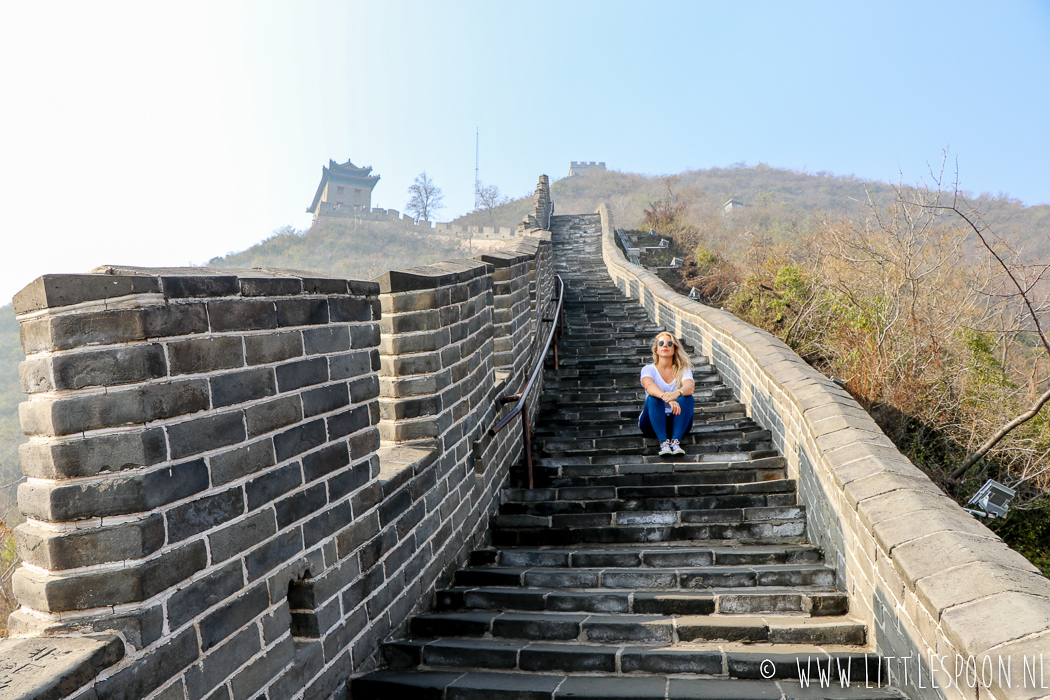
<point x="664" y="344"/>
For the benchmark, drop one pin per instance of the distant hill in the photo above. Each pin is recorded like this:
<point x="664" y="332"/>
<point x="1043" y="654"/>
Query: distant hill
<point x="356" y="249"/>
<point x="794" y="194"/>
<point x="10" y="430"/>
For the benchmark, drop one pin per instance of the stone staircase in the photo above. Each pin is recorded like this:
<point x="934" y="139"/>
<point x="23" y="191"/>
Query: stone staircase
<point x="628" y="575"/>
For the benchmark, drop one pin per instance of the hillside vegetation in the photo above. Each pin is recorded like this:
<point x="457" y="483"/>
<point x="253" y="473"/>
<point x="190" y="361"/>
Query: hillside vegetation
<point x="356" y="249"/>
<point x="899" y="298"/>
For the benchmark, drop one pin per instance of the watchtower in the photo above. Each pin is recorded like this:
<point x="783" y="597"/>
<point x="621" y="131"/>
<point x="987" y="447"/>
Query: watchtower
<point x="344" y="187"/>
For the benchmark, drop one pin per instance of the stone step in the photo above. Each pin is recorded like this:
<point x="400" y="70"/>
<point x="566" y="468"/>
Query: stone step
<point x="570" y="506"/>
<point x="713" y="410"/>
<point x="686" y="475"/>
<point x="624" y="628"/>
<point x="789" y="531"/>
<point x="776" y="487"/>
<point x="655" y="459"/>
<point x="724" y="441"/>
<point x="665" y="577"/>
<point x="725" y="601"/>
<point x="684" y="554"/>
<point x="630" y="428"/>
<point x="727" y="660"/>
<point x="571" y="367"/>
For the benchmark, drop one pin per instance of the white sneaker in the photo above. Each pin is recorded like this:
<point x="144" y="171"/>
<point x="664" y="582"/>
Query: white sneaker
<point x="665" y="448"/>
<point x="676" y="449"/>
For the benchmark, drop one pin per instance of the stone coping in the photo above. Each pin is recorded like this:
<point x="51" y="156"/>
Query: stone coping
<point x="48" y="668"/>
<point x="111" y="282"/>
<point x="984" y="597"/>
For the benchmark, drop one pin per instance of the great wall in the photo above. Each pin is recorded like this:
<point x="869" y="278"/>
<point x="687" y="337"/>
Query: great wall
<point x="270" y="484"/>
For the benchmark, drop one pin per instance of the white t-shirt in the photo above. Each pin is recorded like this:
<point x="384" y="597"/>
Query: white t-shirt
<point x="654" y="374"/>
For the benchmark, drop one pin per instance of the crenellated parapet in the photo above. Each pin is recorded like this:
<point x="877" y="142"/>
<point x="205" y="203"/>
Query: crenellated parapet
<point x="242" y="480"/>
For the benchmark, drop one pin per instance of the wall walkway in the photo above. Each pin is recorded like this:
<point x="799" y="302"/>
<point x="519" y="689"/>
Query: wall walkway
<point x="939" y="591"/>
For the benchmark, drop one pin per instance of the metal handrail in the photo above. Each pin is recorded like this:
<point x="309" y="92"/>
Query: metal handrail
<point x="522" y="398"/>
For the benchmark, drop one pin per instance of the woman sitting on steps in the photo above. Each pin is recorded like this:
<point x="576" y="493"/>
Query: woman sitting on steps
<point x="668" y="383"/>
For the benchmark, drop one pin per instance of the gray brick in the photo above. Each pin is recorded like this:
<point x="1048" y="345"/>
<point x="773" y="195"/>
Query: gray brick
<point x="352" y="364"/>
<point x="275" y="552"/>
<point x="326" y="524"/>
<point x="110" y="367"/>
<point x="348" y="422"/>
<point x="204" y="513"/>
<point x="302" y="312"/>
<point x="81" y="329"/>
<point x="120" y="495"/>
<point x="112" y="587"/>
<point x="93" y="455"/>
<point x="273" y="415"/>
<point x="173" y="320"/>
<point x="325" y="399"/>
<point x="242" y="315"/>
<point x="361" y="530"/>
<point x="220" y="664"/>
<point x="273" y="347"/>
<point x="352" y="309"/>
<point x="325" y="460"/>
<point x="364" y="389"/>
<point x="270" y="286"/>
<point x="272" y="485"/>
<point x="300" y="505"/>
<point x="364" y="336"/>
<point x="242" y="461"/>
<point x="242" y="535"/>
<point x="363" y="444"/>
<point x="263" y="670"/>
<point x="326" y="340"/>
<point x="203" y="434"/>
<point x="188" y="286"/>
<point x="348" y="480"/>
<point x="90" y="546"/>
<point x="205" y="355"/>
<point x="151" y="671"/>
<point x="300" y="439"/>
<point x="296" y="375"/>
<point x="118" y="408"/>
<point x="238" y="387"/>
<point x="233" y="616"/>
<point x="189" y="602"/>
<point x="53" y="291"/>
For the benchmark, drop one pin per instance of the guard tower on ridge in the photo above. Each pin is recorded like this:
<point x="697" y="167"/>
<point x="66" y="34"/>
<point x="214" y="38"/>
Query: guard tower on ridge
<point x="344" y="187"/>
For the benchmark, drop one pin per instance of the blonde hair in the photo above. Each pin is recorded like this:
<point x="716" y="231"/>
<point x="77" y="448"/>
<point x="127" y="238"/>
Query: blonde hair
<point x="679" y="361"/>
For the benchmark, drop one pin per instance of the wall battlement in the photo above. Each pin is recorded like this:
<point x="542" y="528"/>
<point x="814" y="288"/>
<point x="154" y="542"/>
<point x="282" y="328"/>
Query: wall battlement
<point x="333" y="212"/>
<point x="582" y="166"/>
<point x="240" y="481"/>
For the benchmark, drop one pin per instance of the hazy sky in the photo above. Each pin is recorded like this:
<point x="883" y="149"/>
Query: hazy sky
<point x="167" y="133"/>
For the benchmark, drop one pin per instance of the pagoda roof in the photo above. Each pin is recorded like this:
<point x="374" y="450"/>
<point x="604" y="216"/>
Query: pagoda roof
<point x="347" y="173"/>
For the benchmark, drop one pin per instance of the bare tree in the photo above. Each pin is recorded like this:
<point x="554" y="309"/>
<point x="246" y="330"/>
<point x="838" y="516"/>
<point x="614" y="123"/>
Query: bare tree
<point x="425" y="198"/>
<point x="488" y="198"/>
<point x="1021" y="284"/>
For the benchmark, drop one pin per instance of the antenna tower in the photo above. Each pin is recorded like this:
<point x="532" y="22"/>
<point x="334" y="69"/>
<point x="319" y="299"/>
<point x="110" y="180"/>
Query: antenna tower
<point x="477" y="182"/>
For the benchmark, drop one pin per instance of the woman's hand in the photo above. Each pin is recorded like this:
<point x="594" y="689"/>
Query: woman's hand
<point x="675" y="408"/>
<point x="669" y="396"/>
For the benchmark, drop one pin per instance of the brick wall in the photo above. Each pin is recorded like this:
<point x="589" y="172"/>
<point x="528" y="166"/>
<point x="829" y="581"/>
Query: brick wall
<point x="932" y="583"/>
<point x="539" y="215"/>
<point x="206" y="475"/>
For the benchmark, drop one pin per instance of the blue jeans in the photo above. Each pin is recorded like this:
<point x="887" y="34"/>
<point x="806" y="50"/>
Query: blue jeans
<point x="654" y="423"/>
